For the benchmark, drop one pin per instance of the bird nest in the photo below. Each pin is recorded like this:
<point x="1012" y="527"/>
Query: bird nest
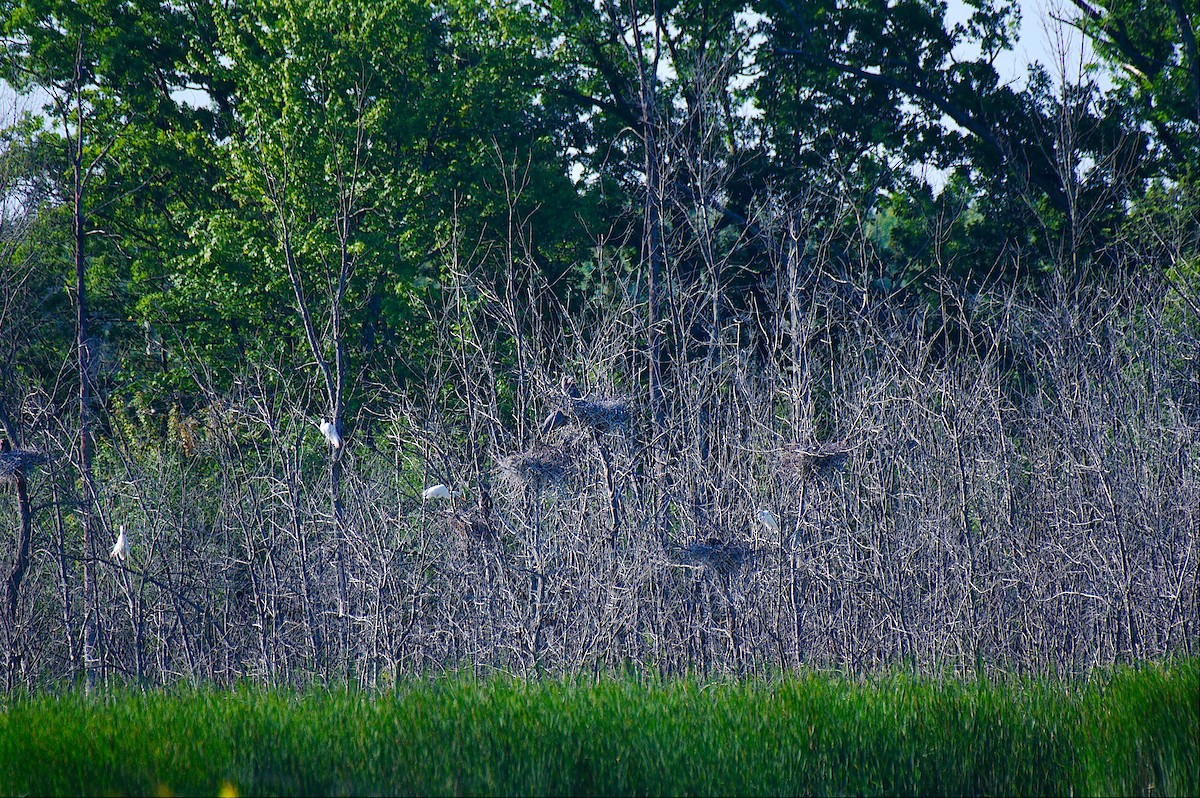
<point x="542" y="465"/>
<point x="602" y="415"/>
<point x="476" y="524"/>
<point x="472" y="526"/>
<point x="471" y="531"/>
<point x="721" y="556"/>
<point x="821" y="462"/>
<point x="18" y="461"/>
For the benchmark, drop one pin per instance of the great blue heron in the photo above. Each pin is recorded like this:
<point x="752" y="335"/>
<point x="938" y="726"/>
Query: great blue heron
<point x="556" y="419"/>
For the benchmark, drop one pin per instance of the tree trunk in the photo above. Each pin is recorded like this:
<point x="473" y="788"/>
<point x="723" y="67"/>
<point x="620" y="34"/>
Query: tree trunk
<point x="652" y="238"/>
<point x="21" y="559"/>
<point x="91" y="616"/>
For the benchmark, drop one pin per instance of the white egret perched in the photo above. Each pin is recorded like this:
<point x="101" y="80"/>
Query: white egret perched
<point x="768" y="519"/>
<point x="330" y="431"/>
<point x="438" y="491"/>
<point x="120" y="549"/>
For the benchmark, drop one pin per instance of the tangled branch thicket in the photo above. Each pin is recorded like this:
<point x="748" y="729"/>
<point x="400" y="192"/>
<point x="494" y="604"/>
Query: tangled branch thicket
<point x="1015" y="487"/>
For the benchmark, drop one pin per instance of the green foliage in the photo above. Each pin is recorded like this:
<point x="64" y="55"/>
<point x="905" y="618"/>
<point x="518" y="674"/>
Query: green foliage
<point x="1152" y="49"/>
<point x="35" y="323"/>
<point x="1128" y="731"/>
<point x="388" y="134"/>
<point x="869" y="95"/>
<point x="408" y="136"/>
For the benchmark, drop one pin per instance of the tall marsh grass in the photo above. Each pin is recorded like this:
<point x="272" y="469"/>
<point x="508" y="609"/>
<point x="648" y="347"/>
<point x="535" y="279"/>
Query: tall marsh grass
<point x="1125" y="732"/>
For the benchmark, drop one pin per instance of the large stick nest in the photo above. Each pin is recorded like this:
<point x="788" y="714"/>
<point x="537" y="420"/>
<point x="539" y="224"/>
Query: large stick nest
<point x="544" y="464"/>
<point x="471" y="529"/>
<point x="722" y="556"/>
<point x="818" y="462"/>
<point x="18" y="461"/>
<point x="602" y="415"/>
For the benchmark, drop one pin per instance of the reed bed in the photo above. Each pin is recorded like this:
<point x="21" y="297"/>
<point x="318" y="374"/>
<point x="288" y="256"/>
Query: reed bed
<point x="1125" y="731"/>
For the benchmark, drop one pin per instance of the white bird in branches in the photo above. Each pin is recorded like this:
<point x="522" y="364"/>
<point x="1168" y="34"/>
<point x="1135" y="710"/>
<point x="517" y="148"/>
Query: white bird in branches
<point x="120" y="549"/>
<point x="768" y="520"/>
<point x="438" y="491"/>
<point x="330" y="431"/>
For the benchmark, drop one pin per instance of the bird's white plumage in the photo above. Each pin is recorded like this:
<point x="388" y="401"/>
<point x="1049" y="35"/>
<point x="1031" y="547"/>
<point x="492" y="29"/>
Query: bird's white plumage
<point x="768" y="519"/>
<point x="120" y="549"/>
<point x="438" y="491"/>
<point x="331" y="433"/>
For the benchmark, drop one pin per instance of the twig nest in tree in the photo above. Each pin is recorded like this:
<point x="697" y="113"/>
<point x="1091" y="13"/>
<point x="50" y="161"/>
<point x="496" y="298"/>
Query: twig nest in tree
<point x="819" y="462"/>
<point x="18" y="461"/>
<point x="723" y="557"/>
<point x="601" y="415"/>
<point x="473" y="526"/>
<point x="473" y="529"/>
<point x="543" y="464"/>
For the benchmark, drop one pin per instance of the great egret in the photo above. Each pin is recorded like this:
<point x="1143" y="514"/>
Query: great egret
<point x="438" y="491"/>
<point x="768" y="519"/>
<point x="120" y="549"/>
<point x="331" y="433"/>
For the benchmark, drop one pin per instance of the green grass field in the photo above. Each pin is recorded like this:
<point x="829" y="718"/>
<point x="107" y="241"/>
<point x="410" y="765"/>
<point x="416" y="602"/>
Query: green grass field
<point x="1126" y="732"/>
